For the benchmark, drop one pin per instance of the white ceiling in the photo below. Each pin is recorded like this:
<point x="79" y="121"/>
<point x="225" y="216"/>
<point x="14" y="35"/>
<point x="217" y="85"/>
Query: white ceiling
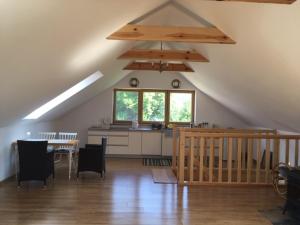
<point x="47" y="46"/>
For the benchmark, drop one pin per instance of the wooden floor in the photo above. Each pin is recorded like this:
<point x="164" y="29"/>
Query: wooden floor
<point x="129" y="196"/>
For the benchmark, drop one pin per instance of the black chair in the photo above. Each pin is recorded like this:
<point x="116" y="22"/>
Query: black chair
<point x="35" y="162"/>
<point x="92" y="158"/>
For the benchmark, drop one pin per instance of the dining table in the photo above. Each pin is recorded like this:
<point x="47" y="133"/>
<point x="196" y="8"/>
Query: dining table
<point x="53" y="144"/>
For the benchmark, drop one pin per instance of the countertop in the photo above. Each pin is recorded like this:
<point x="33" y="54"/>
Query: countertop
<point x="140" y="129"/>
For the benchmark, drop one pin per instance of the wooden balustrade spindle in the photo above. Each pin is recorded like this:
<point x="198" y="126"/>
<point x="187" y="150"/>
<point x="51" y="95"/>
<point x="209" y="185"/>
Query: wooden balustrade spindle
<point x="239" y="160"/>
<point x="267" y="163"/>
<point x="244" y="150"/>
<point x="276" y="152"/>
<point x="229" y="162"/>
<point x="201" y="164"/>
<point x="220" y="169"/>
<point x="258" y="160"/>
<point x="181" y="158"/>
<point x="249" y="159"/>
<point x="211" y="159"/>
<point x="191" y="164"/>
<point x="287" y="151"/>
<point x="174" y="155"/>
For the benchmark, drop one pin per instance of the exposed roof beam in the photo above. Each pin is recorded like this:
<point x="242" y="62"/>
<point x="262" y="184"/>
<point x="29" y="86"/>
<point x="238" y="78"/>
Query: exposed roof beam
<point x="176" y="67"/>
<point x="170" y="33"/>
<point x="262" y="1"/>
<point x="170" y="55"/>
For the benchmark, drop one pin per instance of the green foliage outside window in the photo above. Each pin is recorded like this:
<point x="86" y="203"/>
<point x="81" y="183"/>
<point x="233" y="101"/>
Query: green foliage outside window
<point x="180" y="107"/>
<point x="153" y="106"/>
<point x="126" y="105"/>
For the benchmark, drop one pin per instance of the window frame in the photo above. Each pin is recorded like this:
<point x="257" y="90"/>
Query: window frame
<point x="140" y="105"/>
<point x="192" y="105"/>
<point x="115" y="121"/>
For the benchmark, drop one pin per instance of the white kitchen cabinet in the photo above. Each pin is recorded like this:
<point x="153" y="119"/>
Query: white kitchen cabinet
<point x="135" y="143"/>
<point x="151" y="143"/>
<point x="117" y="150"/>
<point x="117" y="141"/>
<point x="167" y="145"/>
<point x="95" y="140"/>
<point x="131" y="142"/>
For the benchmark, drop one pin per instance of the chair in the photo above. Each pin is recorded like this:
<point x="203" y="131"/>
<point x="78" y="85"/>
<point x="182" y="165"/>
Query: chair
<point x="35" y="162"/>
<point x="92" y="158"/>
<point x="47" y="135"/>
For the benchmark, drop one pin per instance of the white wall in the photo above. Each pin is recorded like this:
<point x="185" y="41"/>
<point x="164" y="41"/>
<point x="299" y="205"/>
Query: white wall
<point x="11" y="134"/>
<point x="88" y="114"/>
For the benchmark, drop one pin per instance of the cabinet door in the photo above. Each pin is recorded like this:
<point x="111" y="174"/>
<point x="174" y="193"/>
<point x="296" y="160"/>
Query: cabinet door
<point x="167" y="145"/>
<point x="96" y="140"/>
<point x="151" y="143"/>
<point x="135" y="143"/>
<point x="118" y="150"/>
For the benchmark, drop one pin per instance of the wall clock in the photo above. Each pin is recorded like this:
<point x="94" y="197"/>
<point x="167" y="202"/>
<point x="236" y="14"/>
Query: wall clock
<point x="134" y="82"/>
<point x="176" y="83"/>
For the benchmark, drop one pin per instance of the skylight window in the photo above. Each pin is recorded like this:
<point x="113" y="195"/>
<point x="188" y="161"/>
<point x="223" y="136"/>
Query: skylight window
<point x="64" y="96"/>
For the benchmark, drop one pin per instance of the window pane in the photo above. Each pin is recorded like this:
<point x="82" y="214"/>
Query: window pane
<point x="153" y="106"/>
<point x="180" y="107"/>
<point x="126" y="105"/>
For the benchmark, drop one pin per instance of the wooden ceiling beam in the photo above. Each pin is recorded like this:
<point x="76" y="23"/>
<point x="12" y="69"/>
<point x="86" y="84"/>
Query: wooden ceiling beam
<point x="135" y="32"/>
<point x="170" y="55"/>
<point x="176" y="67"/>
<point x="263" y="1"/>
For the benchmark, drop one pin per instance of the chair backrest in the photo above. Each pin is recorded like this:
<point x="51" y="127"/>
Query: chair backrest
<point x="67" y="136"/>
<point x="32" y="157"/>
<point x="95" y="146"/>
<point x="47" y="135"/>
<point x="92" y="157"/>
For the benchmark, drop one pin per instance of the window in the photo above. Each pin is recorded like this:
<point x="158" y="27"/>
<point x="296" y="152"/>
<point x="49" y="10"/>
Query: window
<point x="64" y="96"/>
<point x="154" y="106"/>
<point x="126" y="105"/>
<point x="148" y="106"/>
<point x="181" y="107"/>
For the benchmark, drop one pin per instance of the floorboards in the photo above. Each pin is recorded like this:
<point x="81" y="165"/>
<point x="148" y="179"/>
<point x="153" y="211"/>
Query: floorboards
<point x="129" y="196"/>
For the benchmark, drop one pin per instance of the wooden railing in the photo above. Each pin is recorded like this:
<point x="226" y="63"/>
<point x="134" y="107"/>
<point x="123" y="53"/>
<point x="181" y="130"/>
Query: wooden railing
<point x="230" y="156"/>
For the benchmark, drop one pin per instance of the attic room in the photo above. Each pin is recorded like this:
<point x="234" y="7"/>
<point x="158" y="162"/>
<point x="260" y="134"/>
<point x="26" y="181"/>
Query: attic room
<point x="149" y="112"/>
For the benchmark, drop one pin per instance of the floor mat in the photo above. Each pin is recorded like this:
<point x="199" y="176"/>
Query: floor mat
<point x="163" y="176"/>
<point x="157" y="162"/>
<point x="276" y="217"/>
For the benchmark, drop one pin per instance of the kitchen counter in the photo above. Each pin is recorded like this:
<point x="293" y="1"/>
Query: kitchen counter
<point x="125" y="140"/>
<point x="140" y="129"/>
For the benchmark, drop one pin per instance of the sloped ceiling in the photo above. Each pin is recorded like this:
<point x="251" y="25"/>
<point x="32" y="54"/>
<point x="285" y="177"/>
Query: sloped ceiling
<point x="47" y="46"/>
